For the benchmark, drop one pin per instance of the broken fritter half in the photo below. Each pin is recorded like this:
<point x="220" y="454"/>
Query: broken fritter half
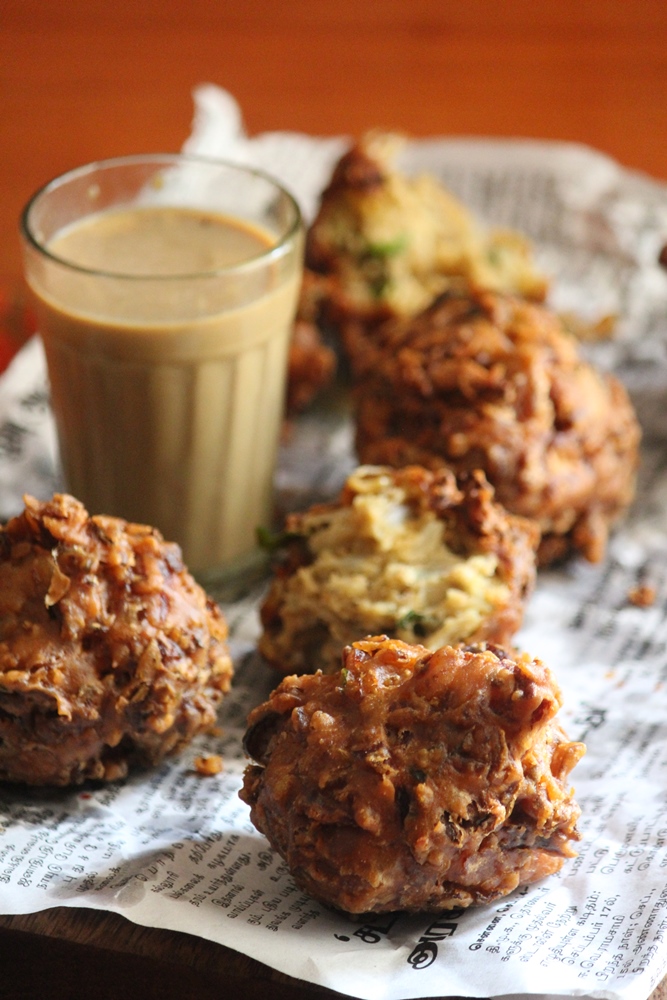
<point x="388" y="243"/>
<point x="408" y="552"/>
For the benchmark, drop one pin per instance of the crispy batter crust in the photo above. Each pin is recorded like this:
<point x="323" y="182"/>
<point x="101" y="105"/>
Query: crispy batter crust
<point x="110" y="653"/>
<point x="413" y="780"/>
<point x="409" y="552"/>
<point x="492" y="382"/>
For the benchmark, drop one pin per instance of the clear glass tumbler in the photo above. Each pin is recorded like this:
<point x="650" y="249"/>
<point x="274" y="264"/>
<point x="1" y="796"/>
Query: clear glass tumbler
<point x="165" y="289"/>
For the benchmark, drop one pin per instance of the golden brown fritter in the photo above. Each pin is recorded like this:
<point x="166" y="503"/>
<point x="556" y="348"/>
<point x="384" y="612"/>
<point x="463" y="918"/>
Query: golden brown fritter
<point x="414" y="780"/>
<point x="493" y="382"/>
<point x="406" y="552"/>
<point x="110" y="654"/>
<point x="389" y="244"/>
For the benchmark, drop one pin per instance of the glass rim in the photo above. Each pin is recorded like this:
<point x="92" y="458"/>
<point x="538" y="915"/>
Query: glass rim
<point x="274" y="252"/>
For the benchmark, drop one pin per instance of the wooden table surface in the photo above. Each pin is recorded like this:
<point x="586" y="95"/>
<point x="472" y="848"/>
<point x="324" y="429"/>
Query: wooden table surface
<point x="86" y="79"/>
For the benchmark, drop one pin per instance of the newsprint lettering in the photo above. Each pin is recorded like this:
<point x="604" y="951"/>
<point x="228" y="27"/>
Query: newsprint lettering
<point x="425" y="951"/>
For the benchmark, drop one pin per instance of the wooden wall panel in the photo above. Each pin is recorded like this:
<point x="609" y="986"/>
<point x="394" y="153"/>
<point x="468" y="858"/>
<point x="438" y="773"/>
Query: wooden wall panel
<point x="84" y="79"/>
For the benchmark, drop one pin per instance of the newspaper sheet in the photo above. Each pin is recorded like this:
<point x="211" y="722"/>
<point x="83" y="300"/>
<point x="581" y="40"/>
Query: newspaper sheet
<point x="173" y="849"/>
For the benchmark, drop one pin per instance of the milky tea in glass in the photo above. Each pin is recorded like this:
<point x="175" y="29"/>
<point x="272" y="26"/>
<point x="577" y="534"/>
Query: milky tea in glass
<point x="165" y="289"/>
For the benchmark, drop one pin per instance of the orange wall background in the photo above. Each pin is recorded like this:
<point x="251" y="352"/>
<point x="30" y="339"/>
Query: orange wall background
<point x="84" y="79"/>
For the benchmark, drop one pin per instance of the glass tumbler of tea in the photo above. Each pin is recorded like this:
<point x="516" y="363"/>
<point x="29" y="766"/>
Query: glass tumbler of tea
<point x="165" y="288"/>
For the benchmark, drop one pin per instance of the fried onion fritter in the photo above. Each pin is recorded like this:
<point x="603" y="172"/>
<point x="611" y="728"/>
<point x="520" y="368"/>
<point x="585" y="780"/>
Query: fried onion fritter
<point x="414" y="780"/>
<point x="110" y="654"/>
<point x="492" y="382"/>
